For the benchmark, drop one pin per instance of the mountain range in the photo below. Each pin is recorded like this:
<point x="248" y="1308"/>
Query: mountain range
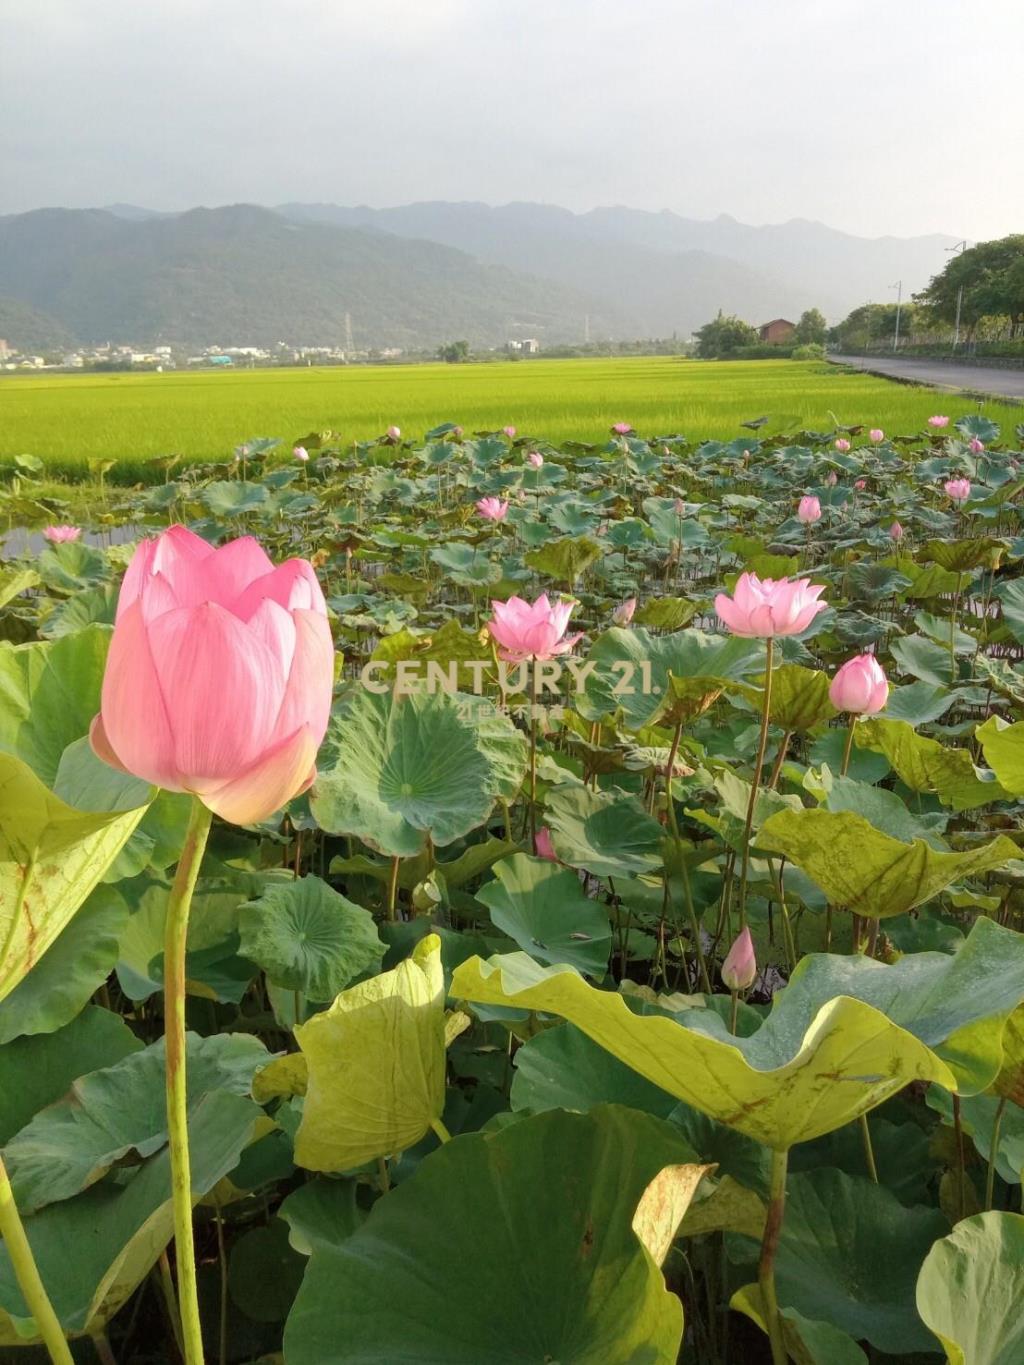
<point x="420" y="274"/>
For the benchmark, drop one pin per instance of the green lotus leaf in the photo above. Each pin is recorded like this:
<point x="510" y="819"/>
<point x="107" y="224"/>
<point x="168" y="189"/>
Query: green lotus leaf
<point x="666" y="613"/>
<point x="13" y="582"/>
<point x="232" y="497"/>
<point x="978" y="1117"/>
<point x="887" y="812"/>
<point x="324" y="1211"/>
<point x="959" y="1006"/>
<point x="809" y="1342"/>
<point x="787" y="1083"/>
<point x="416" y="767"/>
<point x="72" y="567"/>
<point x="541" y="1260"/>
<point x="544" y="909"/>
<point x="566" y="559"/>
<point x="1003" y="747"/>
<point x="971" y="1290"/>
<point x="265" y="1272"/>
<point x="799" y="699"/>
<point x="78" y="961"/>
<point x="308" y="938"/>
<point x="116" y="1111"/>
<point x="561" y="1068"/>
<point x="51" y="857"/>
<point x="97" y="606"/>
<point x="376" y="1066"/>
<point x="918" y="702"/>
<point x="38" y="1070"/>
<point x="866" y="871"/>
<point x="93" y="1251"/>
<point x="922" y="658"/>
<point x="607" y="833"/>
<point x="829" y="1265"/>
<point x="961" y="556"/>
<point x="925" y="765"/>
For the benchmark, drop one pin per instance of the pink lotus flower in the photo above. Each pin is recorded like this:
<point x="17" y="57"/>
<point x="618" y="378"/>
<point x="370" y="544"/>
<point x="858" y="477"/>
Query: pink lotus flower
<point x="535" y="459"/>
<point x="842" y="445"/>
<point x="509" y="432"/>
<point x="300" y="453"/>
<point x="832" y="479"/>
<point x="457" y="433"/>
<point x="895" y="531"/>
<point x="809" y="510"/>
<point x="860" y="485"/>
<point x="219" y="676"/>
<point x="959" y="490"/>
<point x="876" y="434"/>
<point x="394" y="433"/>
<point x="860" y="686"/>
<point x="975" y="446"/>
<point x="536" y="631"/>
<point x="543" y="845"/>
<point x="938" y="421"/>
<point x="492" y="509"/>
<point x="623" y="613"/>
<point x="621" y="428"/>
<point x="762" y="609"/>
<point x="61" y="535"/>
<point x="739" y="970"/>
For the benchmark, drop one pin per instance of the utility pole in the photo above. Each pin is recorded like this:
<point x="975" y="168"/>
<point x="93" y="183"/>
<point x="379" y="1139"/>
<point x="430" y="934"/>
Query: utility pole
<point x="348" y="333"/>
<point x="960" y="247"/>
<point x="898" y="286"/>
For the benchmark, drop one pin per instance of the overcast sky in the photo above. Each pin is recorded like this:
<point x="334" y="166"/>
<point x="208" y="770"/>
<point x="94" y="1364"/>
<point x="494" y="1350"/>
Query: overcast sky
<point x="878" y="116"/>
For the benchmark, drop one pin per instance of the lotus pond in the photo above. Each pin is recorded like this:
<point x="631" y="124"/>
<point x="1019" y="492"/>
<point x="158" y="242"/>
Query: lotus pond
<point x="626" y="987"/>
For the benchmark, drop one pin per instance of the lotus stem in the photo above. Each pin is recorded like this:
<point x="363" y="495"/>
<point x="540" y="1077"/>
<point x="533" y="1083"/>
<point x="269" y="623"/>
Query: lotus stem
<point x="393" y="887"/>
<point x="26" y="1272"/>
<point x="179" y="904"/>
<point x="691" y="912"/>
<point x="869" y="1151"/>
<point x="848" y="750"/>
<point x="441" y="1131"/>
<point x="756" y="782"/>
<point x="993" y="1152"/>
<point x="769" y="1246"/>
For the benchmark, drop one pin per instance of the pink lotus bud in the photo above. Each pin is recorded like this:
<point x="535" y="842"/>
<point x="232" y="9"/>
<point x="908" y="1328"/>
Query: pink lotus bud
<point x="300" y="453"/>
<point x="762" y="609"/>
<point x="623" y="613"/>
<point x="809" y="510"/>
<point x="975" y="446"/>
<point x="895" y="531"/>
<point x="679" y="507"/>
<point x="394" y="433"/>
<point x="842" y="445"/>
<point x="860" y="485"/>
<point x="739" y="970"/>
<point x="492" y="509"/>
<point x="61" y="535"/>
<point x="219" y="676"/>
<point x="859" y="686"/>
<point x="543" y="845"/>
<point x="621" y="428"/>
<point x="457" y="433"/>
<point x="938" y="421"/>
<point x="535" y="630"/>
<point x="959" y="490"/>
<point x="510" y="432"/>
<point x="876" y="434"/>
<point x="535" y="459"/>
<point x="832" y="479"/>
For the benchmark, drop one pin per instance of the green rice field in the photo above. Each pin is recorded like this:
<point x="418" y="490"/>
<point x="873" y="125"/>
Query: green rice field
<point x="68" y="420"/>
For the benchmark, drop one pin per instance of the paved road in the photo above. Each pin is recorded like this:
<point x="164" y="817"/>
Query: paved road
<point x="941" y="374"/>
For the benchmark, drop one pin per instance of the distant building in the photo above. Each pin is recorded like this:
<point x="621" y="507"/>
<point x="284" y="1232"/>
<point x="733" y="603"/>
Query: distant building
<point x="777" y="332"/>
<point x="528" y="346"/>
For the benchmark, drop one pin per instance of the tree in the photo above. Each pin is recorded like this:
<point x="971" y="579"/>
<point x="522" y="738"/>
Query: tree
<point x="811" y="328"/>
<point x="872" y="324"/>
<point x="985" y="281"/>
<point x="724" y="336"/>
<point x="453" y="352"/>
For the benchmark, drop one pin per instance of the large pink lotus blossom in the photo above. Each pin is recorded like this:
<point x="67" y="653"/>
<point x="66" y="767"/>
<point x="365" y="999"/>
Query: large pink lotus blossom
<point x="860" y="686"/>
<point x="219" y="676"/>
<point x="809" y="510"/>
<point x="958" y="490"/>
<point x="938" y="421"/>
<point x="739" y="970"/>
<point x="61" y="535"/>
<point x="876" y="434"/>
<point x="762" y="609"/>
<point x="842" y="445"/>
<point x="531" y="631"/>
<point x="621" y="428"/>
<point x="492" y="509"/>
<point x="623" y="613"/>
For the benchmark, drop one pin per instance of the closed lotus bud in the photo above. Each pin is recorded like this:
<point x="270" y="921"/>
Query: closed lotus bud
<point x="860" y="485"/>
<point x="300" y="453"/>
<point x="860" y="687"/>
<point x="509" y="432"/>
<point x="842" y="445"/>
<point x="739" y="970"/>
<point x="833" y="478"/>
<point x="535" y="459"/>
<point x="958" y="490"/>
<point x="809" y="510"/>
<point x="876" y="434"/>
<point x="895" y="531"/>
<point x="623" y="613"/>
<point x="975" y="446"/>
<point x="543" y="845"/>
<point x="394" y="433"/>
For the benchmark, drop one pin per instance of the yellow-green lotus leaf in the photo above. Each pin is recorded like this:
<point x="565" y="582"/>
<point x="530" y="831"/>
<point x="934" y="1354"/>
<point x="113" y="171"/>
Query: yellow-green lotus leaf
<point x="926" y="765"/>
<point x="869" y="872"/>
<point x="376" y="1065"/>
<point x="51" y="857"/>
<point x="784" y="1084"/>
<point x="1003" y="747"/>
